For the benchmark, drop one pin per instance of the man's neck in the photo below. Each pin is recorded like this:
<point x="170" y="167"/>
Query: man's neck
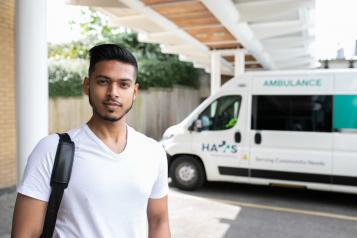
<point x="113" y="134"/>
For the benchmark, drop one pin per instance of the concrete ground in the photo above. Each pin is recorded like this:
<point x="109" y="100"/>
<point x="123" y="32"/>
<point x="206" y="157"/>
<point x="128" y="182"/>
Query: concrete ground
<point x="7" y="202"/>
<point x="189" y="216"/>
<point x="227" y="210"/>
<point x="195" y="217"/>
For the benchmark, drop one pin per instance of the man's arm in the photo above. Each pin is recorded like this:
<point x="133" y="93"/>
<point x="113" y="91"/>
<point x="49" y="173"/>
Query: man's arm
<point x="28" y="219"/>
<point x="158" y="218"/>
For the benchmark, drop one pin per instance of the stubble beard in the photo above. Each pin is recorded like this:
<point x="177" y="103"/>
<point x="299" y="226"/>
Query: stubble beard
<point x="108" y="118"/>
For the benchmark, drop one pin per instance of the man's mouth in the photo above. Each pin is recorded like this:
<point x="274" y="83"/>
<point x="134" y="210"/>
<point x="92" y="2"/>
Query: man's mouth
<point x="112" y="104"/>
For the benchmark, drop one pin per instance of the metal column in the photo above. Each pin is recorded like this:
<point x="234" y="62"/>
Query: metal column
<point x="239" y="62"/>
<point x="215" y="71"/>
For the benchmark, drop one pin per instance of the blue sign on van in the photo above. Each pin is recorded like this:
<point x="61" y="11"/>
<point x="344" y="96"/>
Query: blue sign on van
<point x="292" y="83"/>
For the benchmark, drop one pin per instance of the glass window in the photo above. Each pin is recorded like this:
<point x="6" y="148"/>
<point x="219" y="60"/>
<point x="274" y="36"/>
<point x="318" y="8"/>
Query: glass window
<point x="221" y="114"/>
<point x="292" y="113"/>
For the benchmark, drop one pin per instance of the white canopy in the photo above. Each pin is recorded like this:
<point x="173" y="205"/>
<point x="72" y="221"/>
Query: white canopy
<point x="276" y="34"/>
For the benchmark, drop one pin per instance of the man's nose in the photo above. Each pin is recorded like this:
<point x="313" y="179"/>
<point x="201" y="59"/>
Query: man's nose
<point x="113" y="90"/>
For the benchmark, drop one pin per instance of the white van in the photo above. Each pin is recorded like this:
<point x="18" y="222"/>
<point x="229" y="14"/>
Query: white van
<point x="296" y="128"/>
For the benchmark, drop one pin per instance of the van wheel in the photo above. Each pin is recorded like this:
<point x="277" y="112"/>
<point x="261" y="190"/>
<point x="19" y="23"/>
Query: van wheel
<point x="187" y="173"/>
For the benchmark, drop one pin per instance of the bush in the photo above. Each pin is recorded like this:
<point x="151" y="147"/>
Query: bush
<point x="157" y="73"/>
<point x="66" y="77"/>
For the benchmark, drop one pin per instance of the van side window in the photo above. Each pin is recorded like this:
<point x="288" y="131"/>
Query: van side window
<point x="292" y="113"/>
<point x="221" y="114"/>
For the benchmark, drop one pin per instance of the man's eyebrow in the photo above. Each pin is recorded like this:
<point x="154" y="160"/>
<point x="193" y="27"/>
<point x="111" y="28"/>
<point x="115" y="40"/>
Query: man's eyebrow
<point x="125" y="79"/>
<point x="109" y="78"/>
<point x="102" y="76"/>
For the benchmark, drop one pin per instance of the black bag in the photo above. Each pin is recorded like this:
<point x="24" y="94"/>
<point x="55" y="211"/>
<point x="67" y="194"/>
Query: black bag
<point x="61" y="174"/>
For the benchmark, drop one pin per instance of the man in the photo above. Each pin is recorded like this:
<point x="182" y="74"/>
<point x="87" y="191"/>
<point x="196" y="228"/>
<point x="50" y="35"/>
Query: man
<point x="119" y="176"/>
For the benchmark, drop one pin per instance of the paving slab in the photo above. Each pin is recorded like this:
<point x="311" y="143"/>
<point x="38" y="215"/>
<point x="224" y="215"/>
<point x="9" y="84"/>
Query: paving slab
<point x="193" y="217"/>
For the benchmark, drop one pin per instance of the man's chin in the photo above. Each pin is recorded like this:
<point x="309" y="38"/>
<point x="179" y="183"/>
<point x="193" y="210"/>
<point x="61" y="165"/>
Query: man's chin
<point x="109" y="115"/>
<point x="111" y="118"/>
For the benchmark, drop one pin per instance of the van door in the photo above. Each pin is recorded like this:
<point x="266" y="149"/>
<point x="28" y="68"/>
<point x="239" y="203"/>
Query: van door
<point x="222" y="141"/>
<point x="291" y="140"/>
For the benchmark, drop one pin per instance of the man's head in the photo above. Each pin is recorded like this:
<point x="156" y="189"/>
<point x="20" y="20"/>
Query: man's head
<point x="110" y="84"/>
<point x="110" y="52"/>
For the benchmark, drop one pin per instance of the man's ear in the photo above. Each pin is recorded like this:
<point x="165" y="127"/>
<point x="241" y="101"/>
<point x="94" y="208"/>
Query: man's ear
<point x="136" y="90"/>
<point x="86" y="86"/>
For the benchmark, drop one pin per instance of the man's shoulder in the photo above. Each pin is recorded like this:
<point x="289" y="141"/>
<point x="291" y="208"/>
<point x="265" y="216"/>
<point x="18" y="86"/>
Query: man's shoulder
<point x="143" y="139"/>
<point x="50" y="142"/>
<point x="76" y="132"/>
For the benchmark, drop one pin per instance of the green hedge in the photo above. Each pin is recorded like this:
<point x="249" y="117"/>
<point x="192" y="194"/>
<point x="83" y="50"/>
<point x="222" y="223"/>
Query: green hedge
<point x="69" y="61"/>
<point x="66" y="77"/>
<point x="156" y="73"/>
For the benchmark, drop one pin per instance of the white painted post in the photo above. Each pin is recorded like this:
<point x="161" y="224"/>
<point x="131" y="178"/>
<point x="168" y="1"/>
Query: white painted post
<point x="31" y="78"/>
<point x="239" y="62"/>
<point x="215" y="71"/>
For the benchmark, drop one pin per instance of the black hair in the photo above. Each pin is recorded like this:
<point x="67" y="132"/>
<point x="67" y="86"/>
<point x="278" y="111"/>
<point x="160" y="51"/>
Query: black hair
<point x="111" y="52"/>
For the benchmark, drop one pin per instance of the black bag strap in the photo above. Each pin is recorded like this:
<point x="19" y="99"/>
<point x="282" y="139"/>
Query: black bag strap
<point x="61" y="174"/>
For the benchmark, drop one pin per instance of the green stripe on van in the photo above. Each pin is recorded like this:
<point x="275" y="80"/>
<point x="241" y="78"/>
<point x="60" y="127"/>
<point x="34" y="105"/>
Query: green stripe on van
<point x="345" y="112"/>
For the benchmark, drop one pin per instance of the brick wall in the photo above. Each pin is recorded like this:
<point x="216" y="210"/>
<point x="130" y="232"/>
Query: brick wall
<point x="7" y="94"/>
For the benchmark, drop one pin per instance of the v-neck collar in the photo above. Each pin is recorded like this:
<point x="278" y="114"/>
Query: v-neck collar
<point x="113" y="154"/>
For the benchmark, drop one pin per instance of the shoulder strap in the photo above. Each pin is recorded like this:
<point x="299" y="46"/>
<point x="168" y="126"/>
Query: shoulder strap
<point x="61" y="174"/>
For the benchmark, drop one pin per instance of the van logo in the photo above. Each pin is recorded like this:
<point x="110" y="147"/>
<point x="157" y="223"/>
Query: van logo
<point x="223" y="147"/>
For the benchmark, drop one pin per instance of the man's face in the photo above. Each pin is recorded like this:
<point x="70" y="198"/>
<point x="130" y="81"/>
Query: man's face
<point x="111" y="89"/>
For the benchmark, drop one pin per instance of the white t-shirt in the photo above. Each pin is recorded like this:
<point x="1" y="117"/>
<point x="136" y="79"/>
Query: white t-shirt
<point x="108" y="193"/>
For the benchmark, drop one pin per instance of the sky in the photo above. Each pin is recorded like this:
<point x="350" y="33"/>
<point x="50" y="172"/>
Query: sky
<point x="58" y="17"/>
<point x="335" y="25"/>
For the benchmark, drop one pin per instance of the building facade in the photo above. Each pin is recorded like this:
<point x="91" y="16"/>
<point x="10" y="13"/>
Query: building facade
<point x="7" y="95"/>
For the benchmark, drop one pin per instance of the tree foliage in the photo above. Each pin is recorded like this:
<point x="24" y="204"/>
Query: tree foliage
<point x="155" y="68"/>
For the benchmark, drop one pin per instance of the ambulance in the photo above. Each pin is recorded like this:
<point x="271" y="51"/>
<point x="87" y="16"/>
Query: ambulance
<point x="289" y="128"/>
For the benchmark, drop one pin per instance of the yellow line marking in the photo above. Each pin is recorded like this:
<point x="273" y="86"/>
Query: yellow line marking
<point x="289" y="210"/>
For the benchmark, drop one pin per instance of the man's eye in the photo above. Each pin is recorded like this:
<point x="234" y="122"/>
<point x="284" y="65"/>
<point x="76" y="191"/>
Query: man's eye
<point x="124" y="85"/>
<point x="102" y="81"/>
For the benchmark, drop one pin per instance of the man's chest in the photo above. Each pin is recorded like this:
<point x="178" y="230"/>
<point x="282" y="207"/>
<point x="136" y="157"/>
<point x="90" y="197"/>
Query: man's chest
<point x="106" y="183"/>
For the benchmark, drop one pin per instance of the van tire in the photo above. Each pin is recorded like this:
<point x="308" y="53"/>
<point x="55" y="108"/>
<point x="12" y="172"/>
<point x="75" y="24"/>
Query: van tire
<point x="187" y="173"/>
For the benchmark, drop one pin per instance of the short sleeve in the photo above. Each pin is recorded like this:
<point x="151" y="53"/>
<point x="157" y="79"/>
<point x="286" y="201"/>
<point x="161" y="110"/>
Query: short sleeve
<point x="161" y="187"/>
<point x="36" y="179"/>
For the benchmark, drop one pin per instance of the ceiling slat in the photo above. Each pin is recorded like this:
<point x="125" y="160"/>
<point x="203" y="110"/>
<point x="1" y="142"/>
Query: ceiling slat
<point x="211" y="34"/>
<point x="224" y="46"/>
<point x="247" y="58"/>
<point x="153" y="2"/>
<point x="179" y="8"/>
